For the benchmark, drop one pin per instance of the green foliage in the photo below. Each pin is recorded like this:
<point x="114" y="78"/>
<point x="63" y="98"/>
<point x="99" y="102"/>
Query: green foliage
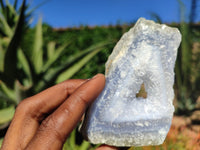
<point x="187" y="81"/>
<point x="6" y="115"/>
<point x="1" y="141"/>
<point x="10" y="15"/>
<point x="12" y="24"/>
<point x="183" y="69"/>
<point x="83" y="37"/>
<point x="71" y="144"/>
<point x="75" y="142"/>
<point x="26" y="72"/>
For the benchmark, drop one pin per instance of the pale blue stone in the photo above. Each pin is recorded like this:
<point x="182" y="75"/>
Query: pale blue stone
<point x="145" y="54"/>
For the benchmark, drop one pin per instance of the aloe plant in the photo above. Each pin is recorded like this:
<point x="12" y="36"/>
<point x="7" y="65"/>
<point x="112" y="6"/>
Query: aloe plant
<point x="25" y="73"/>
<point x="12" y="23"/>
<point x="22" y="72"/>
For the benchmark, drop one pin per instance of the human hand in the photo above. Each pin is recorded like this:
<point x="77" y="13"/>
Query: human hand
<point x="45" y="120"/>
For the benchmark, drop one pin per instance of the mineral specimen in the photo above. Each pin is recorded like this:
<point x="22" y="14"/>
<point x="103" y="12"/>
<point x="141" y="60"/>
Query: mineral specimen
<point x="146" y="55"/>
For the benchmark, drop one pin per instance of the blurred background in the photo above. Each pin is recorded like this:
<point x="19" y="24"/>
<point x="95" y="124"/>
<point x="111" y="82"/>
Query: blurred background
<point x="46" y="42"/>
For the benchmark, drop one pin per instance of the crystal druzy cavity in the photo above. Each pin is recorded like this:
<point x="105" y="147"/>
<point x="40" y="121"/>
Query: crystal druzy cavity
<point x="146" y="55"/>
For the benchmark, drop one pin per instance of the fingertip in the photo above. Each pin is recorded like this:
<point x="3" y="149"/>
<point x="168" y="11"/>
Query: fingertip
<point x="99" y="80"/>
<point x="97" y="83"/>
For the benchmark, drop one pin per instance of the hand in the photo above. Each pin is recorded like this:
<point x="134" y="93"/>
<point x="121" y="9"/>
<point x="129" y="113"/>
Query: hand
<point x="44" y="121"/>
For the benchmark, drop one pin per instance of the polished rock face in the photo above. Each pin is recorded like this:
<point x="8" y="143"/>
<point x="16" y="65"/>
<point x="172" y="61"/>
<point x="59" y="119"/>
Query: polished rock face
<point x="146" y="55"/>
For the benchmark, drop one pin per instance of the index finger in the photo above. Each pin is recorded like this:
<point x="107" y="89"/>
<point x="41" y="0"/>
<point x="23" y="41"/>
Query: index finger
<point x="54" y="130"/>
<point x="49" y="99"/>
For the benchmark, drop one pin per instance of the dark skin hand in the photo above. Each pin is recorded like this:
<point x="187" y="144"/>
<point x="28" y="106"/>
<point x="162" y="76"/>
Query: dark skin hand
<point x="44" y="121"/>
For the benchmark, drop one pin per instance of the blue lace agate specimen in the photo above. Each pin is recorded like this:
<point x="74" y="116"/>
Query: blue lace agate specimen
<point x="146" y="55"/>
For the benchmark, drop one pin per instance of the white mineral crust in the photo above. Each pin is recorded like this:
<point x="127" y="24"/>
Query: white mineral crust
<point x="145" y="54"/>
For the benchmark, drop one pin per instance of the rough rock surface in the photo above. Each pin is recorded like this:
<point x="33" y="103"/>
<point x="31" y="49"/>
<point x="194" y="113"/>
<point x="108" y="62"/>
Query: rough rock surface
<point x="146" y="55"/>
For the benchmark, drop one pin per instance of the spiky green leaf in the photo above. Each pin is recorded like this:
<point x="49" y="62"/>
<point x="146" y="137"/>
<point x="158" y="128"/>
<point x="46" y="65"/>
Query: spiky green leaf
<point x="51" y="49"/>
<point x="77" y="56"/>
<point x="2" y="53"/>
<point x="76" y="67"/>
<point x="51" y="75"/>
<point x="1" y="141"/>
<point x="84" y="145"/>
<point x="6" y="114"/>
<point x="5" y="98"/>
<point x="9" y="92"/>
<point x="2" y="4"/>
<point x="10" y="65"/>
<point x="11" y="9"/>
<point x="25" y="65"/>
<point x="54" y="54"/>
<point x="6" y="28"/>
<point x="37" y="52"/>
